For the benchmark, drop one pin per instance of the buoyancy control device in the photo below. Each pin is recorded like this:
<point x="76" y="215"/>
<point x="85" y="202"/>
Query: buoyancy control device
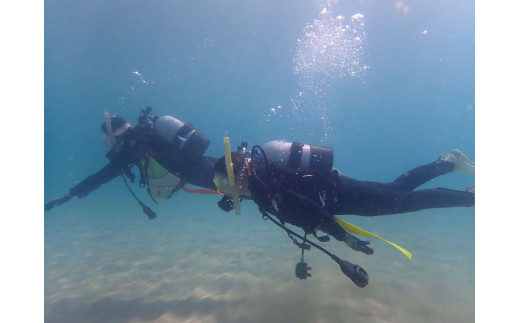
<point x="161" y="183"/>
<point x="184" y="137"/>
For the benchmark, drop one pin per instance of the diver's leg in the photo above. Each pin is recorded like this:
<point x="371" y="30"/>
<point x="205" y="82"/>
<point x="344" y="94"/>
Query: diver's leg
<point x="402" y="202"/>
<point x="448" y="162"/>
<point x="364" y="198"/>
<point x="415" y="177"/>
<point x="200" y="172"/>
<point x="420" y="175"/>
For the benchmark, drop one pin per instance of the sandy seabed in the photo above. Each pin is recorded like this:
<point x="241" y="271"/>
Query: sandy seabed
<point x="199" y="264"/>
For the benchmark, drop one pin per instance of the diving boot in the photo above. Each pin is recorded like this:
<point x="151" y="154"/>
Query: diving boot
<point x="462" y="163"/>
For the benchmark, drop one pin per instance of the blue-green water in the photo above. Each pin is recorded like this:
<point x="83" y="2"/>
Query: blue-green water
<point x="223" y="66"/>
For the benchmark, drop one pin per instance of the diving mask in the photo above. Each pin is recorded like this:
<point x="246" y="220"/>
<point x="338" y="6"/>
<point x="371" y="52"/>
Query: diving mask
<point x="110" y="138"/>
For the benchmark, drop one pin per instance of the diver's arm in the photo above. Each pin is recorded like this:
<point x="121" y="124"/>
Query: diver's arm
<point x="129" y="152"/>
<point x="327" y="223"/>
<point x="309" y="208"/>
<point x="88" y="185"/>
<point x="267" y="189"/>
<point x="126" y="153"/>
<point x="91" y="183"/>
<point x="305" y="207"/>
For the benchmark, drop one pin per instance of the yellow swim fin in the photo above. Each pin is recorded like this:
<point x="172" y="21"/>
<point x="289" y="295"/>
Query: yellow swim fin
<point x="462" y="163"/>
<point x="349" y="227"/>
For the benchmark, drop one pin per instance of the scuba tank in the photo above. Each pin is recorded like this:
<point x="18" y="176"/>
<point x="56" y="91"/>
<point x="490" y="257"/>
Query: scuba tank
<point x="299" y="155"/>
<point x="182" y="135"/>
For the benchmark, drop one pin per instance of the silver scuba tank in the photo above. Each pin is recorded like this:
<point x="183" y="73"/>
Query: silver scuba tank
<point x="299" y="155"/>
<point x="182" y="135"/>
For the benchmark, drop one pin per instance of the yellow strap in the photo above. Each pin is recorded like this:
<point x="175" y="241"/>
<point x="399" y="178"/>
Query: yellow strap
<point x="229" y="162"/>
<point x="349" y="227"/>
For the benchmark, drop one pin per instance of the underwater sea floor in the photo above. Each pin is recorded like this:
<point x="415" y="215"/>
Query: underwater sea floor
<point x="198" y="264"/>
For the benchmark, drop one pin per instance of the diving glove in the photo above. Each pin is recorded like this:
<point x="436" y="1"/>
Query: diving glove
<point x="358" y="245"/>
<point x="58" y="201"/>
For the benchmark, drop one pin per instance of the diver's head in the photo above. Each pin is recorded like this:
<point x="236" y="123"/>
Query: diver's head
<point x="240" y="171"/>
<point x="113" y="129"/>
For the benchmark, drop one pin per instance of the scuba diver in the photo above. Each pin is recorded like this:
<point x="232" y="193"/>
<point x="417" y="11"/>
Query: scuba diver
<point x="297" y="184"/>
<point x="169" y="154"/>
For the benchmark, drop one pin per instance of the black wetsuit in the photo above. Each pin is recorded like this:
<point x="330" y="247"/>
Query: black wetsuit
<point x="309" y="199"/>
<point x="399" y="196"/>
<point x="134" y="146"/>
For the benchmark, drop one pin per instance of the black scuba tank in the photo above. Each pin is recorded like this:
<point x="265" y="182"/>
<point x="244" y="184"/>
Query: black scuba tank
<point x="182" y="135"/>
<point x="299" y="155"/>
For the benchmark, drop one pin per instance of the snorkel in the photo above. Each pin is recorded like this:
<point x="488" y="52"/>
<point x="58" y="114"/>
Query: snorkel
<point x="231" y="176"/>
<point x="227" y="185"/>
<point x="111" y="137"/>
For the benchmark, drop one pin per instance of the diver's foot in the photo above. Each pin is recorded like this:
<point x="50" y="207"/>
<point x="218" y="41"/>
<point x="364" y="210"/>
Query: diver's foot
<point x="462" y="163"/>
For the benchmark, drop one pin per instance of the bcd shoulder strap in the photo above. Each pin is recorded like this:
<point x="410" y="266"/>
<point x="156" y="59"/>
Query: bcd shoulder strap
<point x="143" y="180"/>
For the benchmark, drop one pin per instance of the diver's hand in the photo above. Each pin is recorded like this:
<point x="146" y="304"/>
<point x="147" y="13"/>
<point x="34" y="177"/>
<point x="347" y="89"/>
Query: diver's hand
<point x="58" y="201"/>
<point x="359" y="245"/>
